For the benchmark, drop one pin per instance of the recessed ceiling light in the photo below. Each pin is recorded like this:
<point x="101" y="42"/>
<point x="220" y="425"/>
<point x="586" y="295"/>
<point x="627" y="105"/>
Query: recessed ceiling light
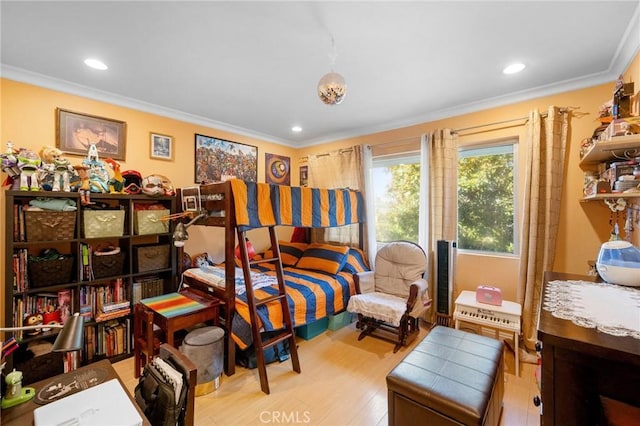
<point x="296" y="129"/>
<point x="95" y="64"/>
<point x="513" y="68"/>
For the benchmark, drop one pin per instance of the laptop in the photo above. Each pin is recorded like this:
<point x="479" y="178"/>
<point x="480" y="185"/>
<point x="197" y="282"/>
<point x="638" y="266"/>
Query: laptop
<point x="106" y="404"/>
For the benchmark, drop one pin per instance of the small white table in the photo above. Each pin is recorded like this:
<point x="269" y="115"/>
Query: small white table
<point x="506" y="317"/>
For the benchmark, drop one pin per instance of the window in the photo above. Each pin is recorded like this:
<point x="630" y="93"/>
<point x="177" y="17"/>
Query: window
<point x="396" y="190"/>
<point x="486" y="198"/>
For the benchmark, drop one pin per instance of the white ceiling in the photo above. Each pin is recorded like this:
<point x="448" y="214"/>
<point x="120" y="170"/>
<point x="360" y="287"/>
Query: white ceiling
<point x="252" y="67"/>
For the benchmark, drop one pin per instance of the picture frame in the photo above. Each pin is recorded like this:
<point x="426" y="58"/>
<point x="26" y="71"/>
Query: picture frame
<point x="304" y="175"/>
<point x="217" y="160"/>
<point x="277" y="169"/>
<point x="76" y="132"/>
<point x="161" y="146"/>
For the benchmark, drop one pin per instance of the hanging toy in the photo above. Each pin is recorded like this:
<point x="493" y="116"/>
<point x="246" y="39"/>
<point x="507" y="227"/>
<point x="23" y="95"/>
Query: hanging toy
<point x="628" y="225"/>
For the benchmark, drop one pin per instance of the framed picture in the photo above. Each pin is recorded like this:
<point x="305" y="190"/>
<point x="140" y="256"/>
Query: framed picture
<point x="304" y="175"/>
<point x="219" y="159"/>
<point x="161" y="147"/>
<point x="277" y="169"/>
<point x="76" y="132"/>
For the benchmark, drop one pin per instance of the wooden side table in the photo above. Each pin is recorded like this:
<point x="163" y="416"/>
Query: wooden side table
<point x="178" y="311"/>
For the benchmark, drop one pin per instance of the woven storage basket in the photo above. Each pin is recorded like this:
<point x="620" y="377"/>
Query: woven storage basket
<point x="50" y="272"/>
<point x="148" y="222"/>
<point x="107" y="265"/>
<point x="149" y="258"/>
<point x="103" y="223"/>
<point x="49" y="225"/>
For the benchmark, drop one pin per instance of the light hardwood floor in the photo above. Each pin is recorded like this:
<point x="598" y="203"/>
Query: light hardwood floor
<point x="342" y="383"/>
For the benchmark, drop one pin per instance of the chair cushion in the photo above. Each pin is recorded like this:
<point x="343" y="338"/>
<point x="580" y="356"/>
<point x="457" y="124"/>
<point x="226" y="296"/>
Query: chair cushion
<point x="398" y="264"/>
<point x="323" y="257"/>
<point x="381" y="306"/>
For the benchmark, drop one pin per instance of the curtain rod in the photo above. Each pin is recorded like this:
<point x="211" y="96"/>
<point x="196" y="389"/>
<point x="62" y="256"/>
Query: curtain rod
<point x="542" y="114"/>
<point x="495" y="123"/>
<point x="339" y="151"/>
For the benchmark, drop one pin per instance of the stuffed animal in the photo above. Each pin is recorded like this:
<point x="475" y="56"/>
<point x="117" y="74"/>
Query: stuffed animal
<point x="29" y="164"/>
<point x="10" y="167"/>
<point x="54" y="163"/>
<point x="33" y="319"/>
<point x="85" y="185"/>
<point x="98" y="174"/>
<point x="116" y="181"/>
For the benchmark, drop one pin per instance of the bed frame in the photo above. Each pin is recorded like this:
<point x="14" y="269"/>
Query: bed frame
<point x="215" y="202"/>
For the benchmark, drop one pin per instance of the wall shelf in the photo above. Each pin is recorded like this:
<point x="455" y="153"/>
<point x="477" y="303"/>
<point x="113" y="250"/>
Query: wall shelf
<point x="619" y="147"/>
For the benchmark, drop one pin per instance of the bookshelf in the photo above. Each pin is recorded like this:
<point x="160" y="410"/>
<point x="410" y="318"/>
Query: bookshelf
<point x="97" y="260"/>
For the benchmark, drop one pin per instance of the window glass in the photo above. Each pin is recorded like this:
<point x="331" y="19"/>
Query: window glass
<point x="486" y="198"/>
<point x="396" y="187"/>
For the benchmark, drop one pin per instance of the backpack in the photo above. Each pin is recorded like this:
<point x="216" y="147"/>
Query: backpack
<point x="155" y="395"/>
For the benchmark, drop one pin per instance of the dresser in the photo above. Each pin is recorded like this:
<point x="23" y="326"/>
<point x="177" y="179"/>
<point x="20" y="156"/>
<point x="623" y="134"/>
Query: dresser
<point x="581" y="364"/>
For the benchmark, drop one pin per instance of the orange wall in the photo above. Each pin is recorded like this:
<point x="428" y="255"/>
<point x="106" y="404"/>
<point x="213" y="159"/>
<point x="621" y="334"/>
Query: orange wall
<point x="583" y="226"/>
<point x="28" y="119"/>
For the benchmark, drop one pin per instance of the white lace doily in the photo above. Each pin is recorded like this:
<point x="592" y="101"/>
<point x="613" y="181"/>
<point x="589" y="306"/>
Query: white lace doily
<point x="609" y="308"/>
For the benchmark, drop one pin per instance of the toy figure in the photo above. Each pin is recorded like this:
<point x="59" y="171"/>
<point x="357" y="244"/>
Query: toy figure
<point x="98" y="175"/>
<point x="85" y="185"/>
<point x="33" y="319"/>
<point x="61" y="168"/>
<point x="10" y="167"/>
<point x="29" y="165"/>
<point x="116" y="181"/>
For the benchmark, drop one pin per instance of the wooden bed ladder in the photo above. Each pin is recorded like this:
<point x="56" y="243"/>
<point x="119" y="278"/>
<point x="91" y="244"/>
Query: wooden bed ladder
<point x="286" y="333"/>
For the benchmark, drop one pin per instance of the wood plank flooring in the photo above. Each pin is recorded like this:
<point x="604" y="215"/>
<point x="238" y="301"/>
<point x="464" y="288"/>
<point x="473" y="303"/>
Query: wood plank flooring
<point x="342" y="383"/>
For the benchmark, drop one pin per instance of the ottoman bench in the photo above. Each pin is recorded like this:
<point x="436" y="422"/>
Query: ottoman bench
<point x="451" y="377"/>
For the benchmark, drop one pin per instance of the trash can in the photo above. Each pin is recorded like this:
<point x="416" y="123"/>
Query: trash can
<point x="205" y="347"/>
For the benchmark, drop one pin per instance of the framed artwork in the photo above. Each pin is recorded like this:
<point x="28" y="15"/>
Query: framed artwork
<point x="219" y="159"/>
<point x="161" y="147"/>
<point x="76" y="132"/>
<point x="304" y="175"/>
<point x="277" y="169"/>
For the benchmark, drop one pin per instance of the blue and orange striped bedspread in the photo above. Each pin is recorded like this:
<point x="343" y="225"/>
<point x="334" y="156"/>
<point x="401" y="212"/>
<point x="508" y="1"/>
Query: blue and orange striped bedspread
<point x="311" y="296"/>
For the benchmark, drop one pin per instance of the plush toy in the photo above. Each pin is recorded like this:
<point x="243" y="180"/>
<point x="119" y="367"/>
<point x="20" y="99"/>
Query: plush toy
<point x="54" y="163"/>
<point x="10" y="167"/>
<point x="85" y="185"/>
<point x="33" y="319"/>
<point x="98" y="174"/>
<point x="116" y="181"/>
<point x="29" y="164"/>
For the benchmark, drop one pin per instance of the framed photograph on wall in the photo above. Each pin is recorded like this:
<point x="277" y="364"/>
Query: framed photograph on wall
<point x="161" y="147"/>
<point x="277" y="169"/>
<point x="219" y="159"/>
<point x="304" y="175"/>
<point x="76" y="132"/>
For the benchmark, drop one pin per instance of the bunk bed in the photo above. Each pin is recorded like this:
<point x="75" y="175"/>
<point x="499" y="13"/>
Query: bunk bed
<point x="311" y="294"/>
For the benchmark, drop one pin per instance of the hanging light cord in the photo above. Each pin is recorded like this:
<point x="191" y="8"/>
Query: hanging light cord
<point x="334" y="54"/>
